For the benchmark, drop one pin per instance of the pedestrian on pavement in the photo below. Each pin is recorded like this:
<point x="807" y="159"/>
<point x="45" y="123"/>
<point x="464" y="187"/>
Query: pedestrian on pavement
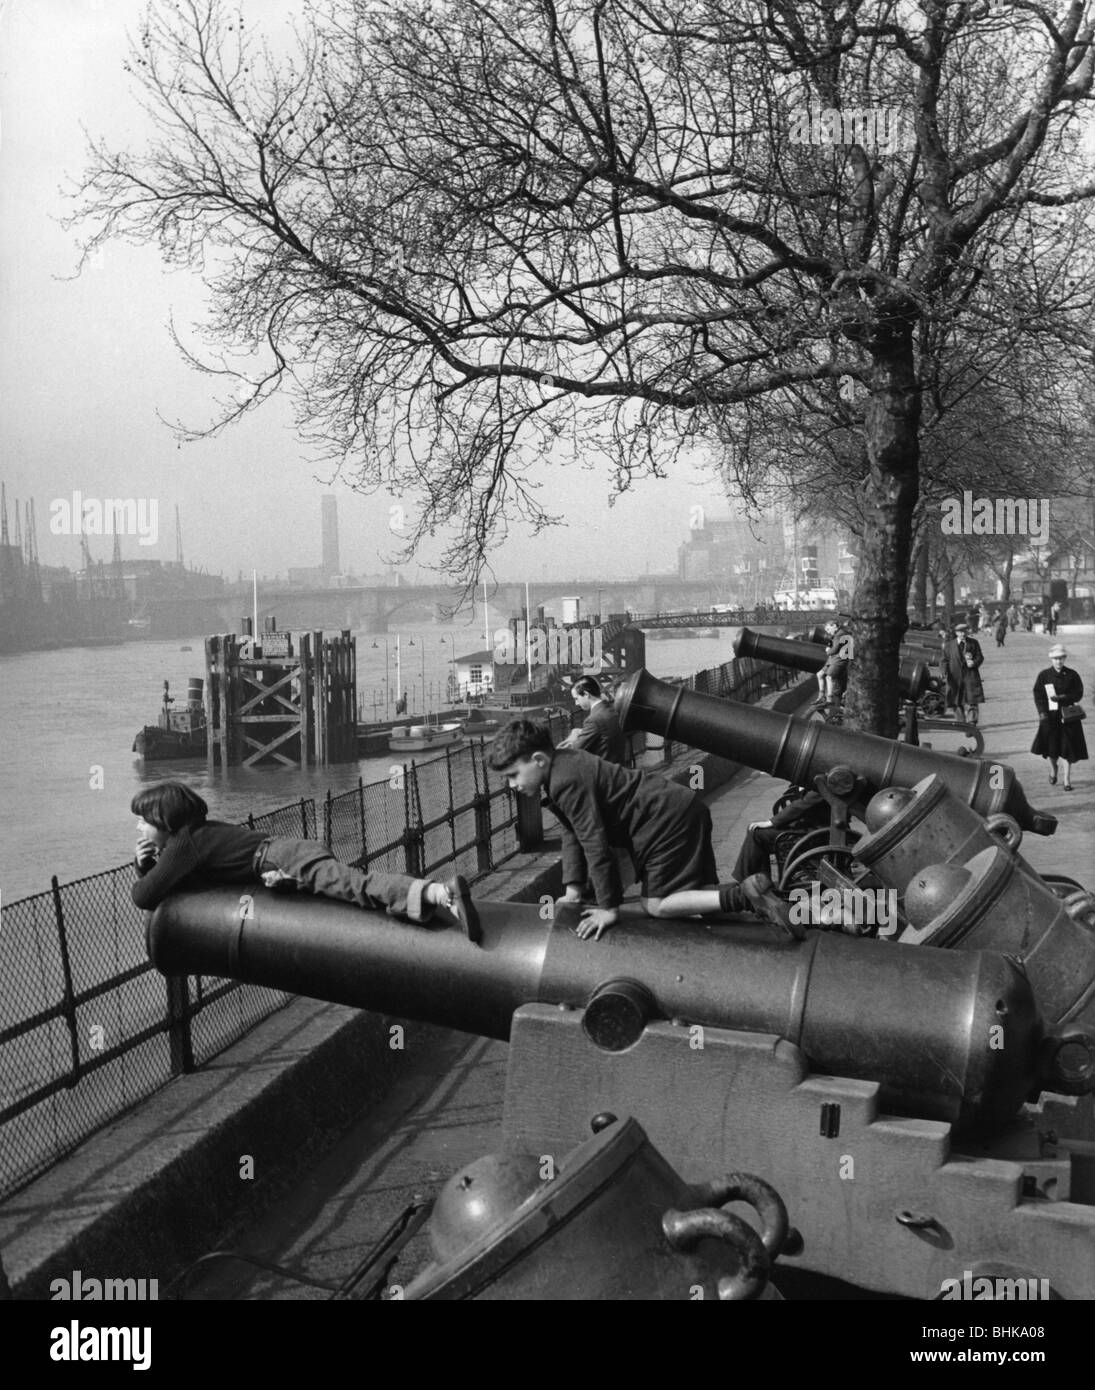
<point x="1013" y="616"/>
<point x="600" y="731"/>
<point x="1000" y="628"/>
<point x="1054" y="617"/>
<point x="1058" y="691"/>
<point x="972" y="691"/>
<point x="955" y="652"/>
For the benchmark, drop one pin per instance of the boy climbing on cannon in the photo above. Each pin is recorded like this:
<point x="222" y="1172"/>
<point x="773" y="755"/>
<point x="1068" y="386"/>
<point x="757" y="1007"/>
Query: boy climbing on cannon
<point x="178" y="848"/>
<point x="600" y="805"/>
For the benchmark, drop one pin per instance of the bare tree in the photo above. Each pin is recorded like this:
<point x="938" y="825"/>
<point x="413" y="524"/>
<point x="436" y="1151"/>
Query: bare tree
<point x="474" y="234"/>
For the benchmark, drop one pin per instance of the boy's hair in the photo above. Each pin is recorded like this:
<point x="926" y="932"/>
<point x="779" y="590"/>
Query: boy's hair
<point x="519" y="739"/>
<point x="586" y="685"/>
<point x="169" y="806"/>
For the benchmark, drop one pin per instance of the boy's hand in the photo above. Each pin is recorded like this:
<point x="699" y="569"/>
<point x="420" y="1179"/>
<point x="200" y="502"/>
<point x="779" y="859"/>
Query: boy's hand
<point x="147" y="852"/>
<point x="596" y="921"/>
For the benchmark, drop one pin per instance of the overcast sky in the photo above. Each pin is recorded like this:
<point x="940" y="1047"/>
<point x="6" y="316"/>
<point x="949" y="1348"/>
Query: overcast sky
<point x="86" y="365"/>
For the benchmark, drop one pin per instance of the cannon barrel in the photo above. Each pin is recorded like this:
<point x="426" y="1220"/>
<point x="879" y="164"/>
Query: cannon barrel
<point x="921" y="1023"/>
<point x="913" y="676"/>
<point x="799" y="749"/>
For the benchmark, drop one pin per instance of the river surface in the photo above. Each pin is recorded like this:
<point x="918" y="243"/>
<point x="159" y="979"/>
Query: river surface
<point x="68" y="719"/>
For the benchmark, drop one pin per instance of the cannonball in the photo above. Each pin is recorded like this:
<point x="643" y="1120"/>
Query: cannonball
<point x="479" y="1198"/>
<point x="933" y="890"/>
<point x="887" y="804"/>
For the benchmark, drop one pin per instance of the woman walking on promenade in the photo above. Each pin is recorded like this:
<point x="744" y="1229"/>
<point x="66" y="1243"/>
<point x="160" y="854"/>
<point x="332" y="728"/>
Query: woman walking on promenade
<point x="1060" y="735"/>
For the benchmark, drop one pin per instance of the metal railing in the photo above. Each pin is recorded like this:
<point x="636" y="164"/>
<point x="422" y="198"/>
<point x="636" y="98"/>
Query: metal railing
<point x="88" y="1028"/>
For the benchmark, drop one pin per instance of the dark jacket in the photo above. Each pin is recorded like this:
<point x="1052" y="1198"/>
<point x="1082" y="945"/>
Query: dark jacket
<point x="601" y="734"/>
<point x="601" y="805"/>
<point x="1054" y="738"/>
<point x="955" y="664"/>
<point x="214" y="851"/>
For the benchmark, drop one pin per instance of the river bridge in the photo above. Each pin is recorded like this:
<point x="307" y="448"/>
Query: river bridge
<point x="374" y="608"/>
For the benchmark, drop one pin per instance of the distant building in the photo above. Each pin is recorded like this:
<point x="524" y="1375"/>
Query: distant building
<point x="475" y="674"/>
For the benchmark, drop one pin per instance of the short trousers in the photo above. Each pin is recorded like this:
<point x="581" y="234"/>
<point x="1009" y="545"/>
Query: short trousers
<point x="686" y="861"/>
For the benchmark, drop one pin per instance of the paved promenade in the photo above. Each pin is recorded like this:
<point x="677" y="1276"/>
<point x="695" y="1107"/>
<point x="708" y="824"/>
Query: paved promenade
<point x="451" y="1112"/>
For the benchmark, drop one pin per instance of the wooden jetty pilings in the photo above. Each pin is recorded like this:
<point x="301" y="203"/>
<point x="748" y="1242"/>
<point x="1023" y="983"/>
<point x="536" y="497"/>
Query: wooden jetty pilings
<point x="276" y="699"/>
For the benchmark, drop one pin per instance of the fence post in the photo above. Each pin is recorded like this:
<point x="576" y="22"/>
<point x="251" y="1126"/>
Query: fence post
<point x="413" y="837"/>
<point x="178" y="1024"/>
<point x="484" y="857"/>
<point x="530" y="823"/>
<point x="69" y="1000"/>
<point x="327" y="819"/>
<point x="362" y="858"/>
<point x="304" y="820"/>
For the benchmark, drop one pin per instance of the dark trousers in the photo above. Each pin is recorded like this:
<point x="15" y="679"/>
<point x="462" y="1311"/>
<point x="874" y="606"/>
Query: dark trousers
<point x="317" y="871"/>
<point x="754" y="855"/>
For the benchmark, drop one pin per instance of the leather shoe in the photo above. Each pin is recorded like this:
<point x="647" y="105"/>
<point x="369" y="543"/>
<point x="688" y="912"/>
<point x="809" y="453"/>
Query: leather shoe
<point x="464" y="909"/>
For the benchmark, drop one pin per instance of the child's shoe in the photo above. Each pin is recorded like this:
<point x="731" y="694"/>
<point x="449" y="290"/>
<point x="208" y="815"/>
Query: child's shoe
<point x="464" y="908"/>
<point x="279" y="881"/>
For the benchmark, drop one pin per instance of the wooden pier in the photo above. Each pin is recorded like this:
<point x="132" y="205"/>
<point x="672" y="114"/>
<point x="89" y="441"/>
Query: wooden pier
<point x="281" y="699"/>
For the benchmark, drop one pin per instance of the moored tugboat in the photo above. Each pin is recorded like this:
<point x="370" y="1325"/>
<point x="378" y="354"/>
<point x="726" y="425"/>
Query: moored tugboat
<point x="180" y="733"/>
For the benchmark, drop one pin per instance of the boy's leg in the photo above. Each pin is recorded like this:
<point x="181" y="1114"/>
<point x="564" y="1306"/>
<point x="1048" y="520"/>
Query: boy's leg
<point x="317" y="871"/>
<point x="683" y="882"/>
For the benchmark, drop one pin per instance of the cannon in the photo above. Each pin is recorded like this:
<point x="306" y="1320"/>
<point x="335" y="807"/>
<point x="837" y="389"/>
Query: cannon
<point x="614" y="1222"/>
<point x="749" y="978"/>
<point x="737" y="1049"/>
<point x="914" y="678"/>
<point x="798" y="750"/>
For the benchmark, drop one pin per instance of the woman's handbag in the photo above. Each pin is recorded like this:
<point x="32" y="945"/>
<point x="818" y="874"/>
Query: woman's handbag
<point x="1072" y="714"/>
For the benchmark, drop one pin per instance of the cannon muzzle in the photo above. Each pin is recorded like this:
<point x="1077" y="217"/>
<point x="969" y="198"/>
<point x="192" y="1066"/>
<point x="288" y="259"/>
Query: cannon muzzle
<point x="798" y="750"/>
<point x="921" y="1023"/>
<point x="913" y="677"/>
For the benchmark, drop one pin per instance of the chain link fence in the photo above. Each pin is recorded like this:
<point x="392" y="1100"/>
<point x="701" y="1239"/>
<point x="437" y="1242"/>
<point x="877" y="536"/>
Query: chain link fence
<point x="88" y="1028"/>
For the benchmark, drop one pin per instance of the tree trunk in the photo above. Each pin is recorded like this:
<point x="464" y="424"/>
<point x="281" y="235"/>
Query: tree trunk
<point x="880" y="617"/>
<point x="920" y="579"/>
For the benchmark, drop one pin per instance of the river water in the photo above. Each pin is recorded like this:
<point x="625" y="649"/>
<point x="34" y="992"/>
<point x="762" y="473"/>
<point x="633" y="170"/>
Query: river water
<point x="68" y="719"/>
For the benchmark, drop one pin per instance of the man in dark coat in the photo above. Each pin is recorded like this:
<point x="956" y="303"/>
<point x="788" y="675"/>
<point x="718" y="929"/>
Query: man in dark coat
<point x="808" y="811"/>
<point x="954" y="661"/>
<point x="600" y="732"/>
<point x="600" y="806"/>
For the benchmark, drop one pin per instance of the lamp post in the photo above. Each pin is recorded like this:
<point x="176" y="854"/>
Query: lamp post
<point x="422" y="649"/>
<point x="454" y="690"/>
<point x="387" y="688"/>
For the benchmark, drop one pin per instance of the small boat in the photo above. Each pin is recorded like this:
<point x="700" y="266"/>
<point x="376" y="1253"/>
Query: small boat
<point x="180" y="733"/>
<point x="422" y="738"/>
